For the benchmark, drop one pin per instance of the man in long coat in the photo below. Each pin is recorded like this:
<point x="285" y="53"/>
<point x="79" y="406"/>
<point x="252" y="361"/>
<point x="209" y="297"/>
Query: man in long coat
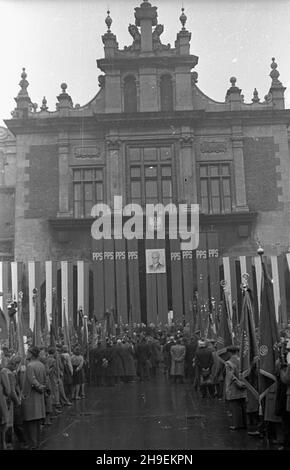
<point x="33" y="397"/>
<point x="191" y="347"/>
<point x="143" y="359"/>
<point x="177" y="352"/>
<point x="4" y="412"/>
<point x="236" y="392"/>
<point x="204" y="362"/>
<point x="14" y="399"/>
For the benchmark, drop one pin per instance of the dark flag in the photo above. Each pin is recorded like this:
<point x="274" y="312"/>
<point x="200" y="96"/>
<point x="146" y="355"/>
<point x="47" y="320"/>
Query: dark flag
<point x="37" y="340"/>
<point x="54" y="316"/>
<point x="249" y="348"/>
<point x="3" y="327"/>
<point x="45" y="330"/>
<point x="20" y="329"/>
<point x="66" y="329"/>
<point x="224" y="334"/>
<point x="85" y="337"/>
<point x="269" y="337"/>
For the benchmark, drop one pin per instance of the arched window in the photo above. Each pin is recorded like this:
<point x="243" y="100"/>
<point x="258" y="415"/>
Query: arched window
<point x="130" y="95"/>
<point x="166" y="93"/>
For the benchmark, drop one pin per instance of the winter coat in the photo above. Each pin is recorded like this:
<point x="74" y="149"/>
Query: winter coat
<point x="52" y="372"/>
<point x="177" y="359"/>
<point x="166" y="354"/>
<point x="33" y="403"/>
<point x="143" y="353"/>
<point x="190" y="352"/>
<point x="285" y="380"/>
<point x="270" y="405"/>
<point x="13" y="397"/>
<point x="217" y="370"/>
<point x="4" y="397"/>
<point x="204" y="358"/>
<point x="126" y="352"/>
<point x="155" y="353"/>
<point x="98" y="356"/>
<point x="235" y="388"/>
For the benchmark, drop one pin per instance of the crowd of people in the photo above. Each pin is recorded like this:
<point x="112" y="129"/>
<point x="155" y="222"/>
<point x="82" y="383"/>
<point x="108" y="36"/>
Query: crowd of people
<point x="36" y="390"/>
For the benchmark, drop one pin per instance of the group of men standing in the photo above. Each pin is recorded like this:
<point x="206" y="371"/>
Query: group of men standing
<point x="34" y="390"/>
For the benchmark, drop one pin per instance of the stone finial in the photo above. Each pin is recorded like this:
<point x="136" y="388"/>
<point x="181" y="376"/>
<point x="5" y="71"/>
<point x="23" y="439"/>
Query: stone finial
<point x="233" y="81"/>
<point x="34" y="107"/>
<point x="183" y="19"/>
<point x="63" y="87"/>
<point x="109" y="39"/>
<point x="44" y="106"/>
<point x="233" y="88"/>
<point x="255" y="98"/>
<point x="108" y="21"/>
<point x="23" y="100"/>
<point x="234" y="94"/>
<point x="23" y="84"/>
<point x="64" y="98"/>
<point x="274" y="74"/>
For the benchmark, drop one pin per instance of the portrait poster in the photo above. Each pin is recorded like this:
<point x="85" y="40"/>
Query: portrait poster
<point x="155" y="261"/>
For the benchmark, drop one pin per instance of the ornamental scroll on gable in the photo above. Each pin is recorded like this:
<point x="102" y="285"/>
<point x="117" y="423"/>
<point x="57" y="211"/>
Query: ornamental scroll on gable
<point x="136" y="46"/>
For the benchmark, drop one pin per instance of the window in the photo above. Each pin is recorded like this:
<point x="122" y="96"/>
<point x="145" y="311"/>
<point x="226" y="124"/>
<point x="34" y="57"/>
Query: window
<point x="88" y="190"/>
<point x="215" y="188"/>
<point x="166" y="93"/>
<point x="150" y="175"/>
<point x="130" y="95"/>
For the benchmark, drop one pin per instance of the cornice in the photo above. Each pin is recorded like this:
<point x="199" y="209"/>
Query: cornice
<point x="160" y="61"/>
<point x="196" y="118"/>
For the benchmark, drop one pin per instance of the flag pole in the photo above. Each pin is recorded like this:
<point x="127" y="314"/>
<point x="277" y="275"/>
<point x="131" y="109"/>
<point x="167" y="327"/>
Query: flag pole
<point x="260" y="252"/>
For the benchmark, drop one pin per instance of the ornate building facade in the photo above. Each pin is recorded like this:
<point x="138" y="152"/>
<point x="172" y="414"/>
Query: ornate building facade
<point x="149" y="135"/>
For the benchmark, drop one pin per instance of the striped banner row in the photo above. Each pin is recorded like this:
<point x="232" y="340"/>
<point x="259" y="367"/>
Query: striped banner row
<point x="116" y="280"/>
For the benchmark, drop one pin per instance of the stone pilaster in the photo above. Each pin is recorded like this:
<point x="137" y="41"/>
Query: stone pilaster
<point x="188" y="192"/>
<point x="114" y="169"/>
<point x="64" y="175"/>
<point x="238" y="159"/>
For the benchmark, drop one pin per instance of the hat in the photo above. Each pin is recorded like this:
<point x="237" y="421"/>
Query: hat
<point x="201" y="344"/>
<point x="34" y="351"/>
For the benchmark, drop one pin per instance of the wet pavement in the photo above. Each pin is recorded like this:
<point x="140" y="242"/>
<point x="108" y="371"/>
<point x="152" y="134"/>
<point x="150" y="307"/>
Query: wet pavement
<point x="145" y="416"/>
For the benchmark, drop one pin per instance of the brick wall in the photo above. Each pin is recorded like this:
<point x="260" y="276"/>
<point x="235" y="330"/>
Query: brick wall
<point x="260" y="174"/>
<point x="42" y="184"/>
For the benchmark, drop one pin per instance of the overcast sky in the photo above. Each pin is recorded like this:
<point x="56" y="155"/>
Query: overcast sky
<point x="60" y="40"/>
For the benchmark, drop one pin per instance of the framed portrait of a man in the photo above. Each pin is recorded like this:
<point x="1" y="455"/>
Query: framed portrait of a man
<point x="155" y="261"/>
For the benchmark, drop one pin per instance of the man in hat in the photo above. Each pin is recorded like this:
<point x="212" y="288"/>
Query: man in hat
<point x="33" y="397"/>
<point x="236" y="391"/>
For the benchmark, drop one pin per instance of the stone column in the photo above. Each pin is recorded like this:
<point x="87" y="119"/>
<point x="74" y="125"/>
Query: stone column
<point x="64" y="175"/>
<point x="238" y="159"/>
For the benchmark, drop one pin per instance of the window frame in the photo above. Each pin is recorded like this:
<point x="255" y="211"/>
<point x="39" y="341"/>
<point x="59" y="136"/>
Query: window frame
<point x="93" y="182"/>
<point x="220" y="177"/>
<point x="142" y="164"/>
